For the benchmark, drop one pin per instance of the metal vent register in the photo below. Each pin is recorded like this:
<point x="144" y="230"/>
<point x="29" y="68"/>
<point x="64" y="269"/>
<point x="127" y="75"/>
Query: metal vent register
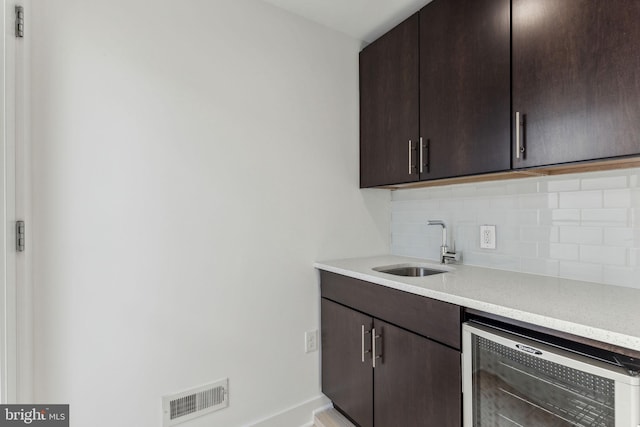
<point x="187" y="405"/>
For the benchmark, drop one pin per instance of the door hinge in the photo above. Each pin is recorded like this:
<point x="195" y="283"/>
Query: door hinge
<point x="20" y="236"/>
<point x="19" y="21"/>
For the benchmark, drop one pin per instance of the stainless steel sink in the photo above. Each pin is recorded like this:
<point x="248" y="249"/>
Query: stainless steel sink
<point x="409" y="271"/>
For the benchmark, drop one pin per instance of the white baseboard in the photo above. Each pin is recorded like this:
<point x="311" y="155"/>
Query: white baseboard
<point x="300" y="415"/>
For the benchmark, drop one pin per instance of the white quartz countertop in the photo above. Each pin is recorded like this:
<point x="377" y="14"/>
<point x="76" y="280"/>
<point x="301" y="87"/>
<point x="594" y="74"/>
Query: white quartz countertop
<point x="610" y="314"/>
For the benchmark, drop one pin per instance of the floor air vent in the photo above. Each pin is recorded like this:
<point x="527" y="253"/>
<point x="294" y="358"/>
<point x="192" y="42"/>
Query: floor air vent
<point x="187" y="405"/>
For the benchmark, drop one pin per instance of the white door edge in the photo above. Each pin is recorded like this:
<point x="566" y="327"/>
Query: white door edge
<point x="8" y="293"/>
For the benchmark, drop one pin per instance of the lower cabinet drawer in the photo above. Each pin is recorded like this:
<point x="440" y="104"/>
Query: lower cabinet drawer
<point x="437" y="320"/>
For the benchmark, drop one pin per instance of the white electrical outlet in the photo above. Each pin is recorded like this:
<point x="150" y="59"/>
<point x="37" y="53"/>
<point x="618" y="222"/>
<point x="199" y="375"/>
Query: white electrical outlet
<point x="311" y="341"/>
<point x="488" y="236"/>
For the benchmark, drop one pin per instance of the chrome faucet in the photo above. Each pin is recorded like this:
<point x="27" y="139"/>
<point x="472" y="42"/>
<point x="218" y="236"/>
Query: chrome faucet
<point x="446" y="256"/>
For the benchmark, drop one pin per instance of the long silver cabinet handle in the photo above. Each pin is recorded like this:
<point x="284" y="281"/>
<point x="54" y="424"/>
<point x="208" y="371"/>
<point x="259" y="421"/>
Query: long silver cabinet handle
<point x="374" y="355"/>
<point x="519" y="146"/>
<point x="363" y="334"/>
<point x="517" y="134"/>
<point x="409" y="157"/>
<point x="421" y="156"/>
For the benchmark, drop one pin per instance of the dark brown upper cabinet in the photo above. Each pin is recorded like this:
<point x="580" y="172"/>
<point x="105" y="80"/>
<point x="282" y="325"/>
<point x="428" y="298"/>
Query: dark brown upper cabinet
<point x="576" y="80"/>
<point x="465" y="104"/>
<point x="389" y="107"/>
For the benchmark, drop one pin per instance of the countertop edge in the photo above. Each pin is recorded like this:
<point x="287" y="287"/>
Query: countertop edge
<point x="598" y="334"/>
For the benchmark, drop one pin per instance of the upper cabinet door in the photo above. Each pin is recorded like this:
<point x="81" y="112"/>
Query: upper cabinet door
<point x="389" y="98"/>
<point x="576" y="80"/>
<point x="465" y="87"/>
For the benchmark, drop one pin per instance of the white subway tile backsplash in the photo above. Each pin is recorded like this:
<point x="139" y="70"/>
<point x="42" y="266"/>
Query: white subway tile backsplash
<point x="537" y="201"/>
<point x="523" y="217"/>
<point x="415" y="194"/>
<point x="477" y="204"/>
<point x="493" y="216"/>
<point x="545" y="267"/>
<point x="581" y="199"/>
<point x="522" y="186"/>
<point x="603" y="255"/>
<point x="407" y="228"/>
<point x="603" y="182"/>
<point x="415" y="205"/>
<point x="411" y="239"/>
<point x="489" y="189"/>
<point x="617" y="198"/>
<point x="564" y="251"/>
<point x="621" y="276"/>
<point x="544" y="250"/>
<point x="625" y="237"/>
<point x="500" y="261"/>
<point x="582" y="226"/>
<point x="634" y="217"/>
<point x="560" y="216"/>
<point x="563" y="185"/>
<point x="414" y="217"/>
<point x="581" y="235"/>
<point x="506" y="202"/>
<point x="581" y="271"/>
<point x="537" y="234"/>
<point x="452" y="205"/>
<point x="522" y="249"/>
<point x="605" y="217"/>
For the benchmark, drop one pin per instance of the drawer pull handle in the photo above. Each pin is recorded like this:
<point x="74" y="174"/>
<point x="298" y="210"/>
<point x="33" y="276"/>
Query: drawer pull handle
<point x="374" y="354"/>
<point x="519" y="145"/>
<point x="363" y="350"/>
<point x="421" y="156"/>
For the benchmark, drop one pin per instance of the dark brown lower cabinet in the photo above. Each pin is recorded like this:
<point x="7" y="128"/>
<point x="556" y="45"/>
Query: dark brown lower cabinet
<point x="415" y="382"/>
<point x="346" y="380"/>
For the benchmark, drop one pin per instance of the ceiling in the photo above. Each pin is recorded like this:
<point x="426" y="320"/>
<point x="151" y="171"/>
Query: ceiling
<point x="364" y="20"/>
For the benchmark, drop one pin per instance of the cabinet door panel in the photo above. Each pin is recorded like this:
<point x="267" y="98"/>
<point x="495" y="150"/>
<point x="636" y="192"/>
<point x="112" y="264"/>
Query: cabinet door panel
<point x="346" y="380"/>
<point x="389" y="103"/>
<point x="417" y="382"/>
<point x="465" y="87"/>
<point x="576" y="79"/>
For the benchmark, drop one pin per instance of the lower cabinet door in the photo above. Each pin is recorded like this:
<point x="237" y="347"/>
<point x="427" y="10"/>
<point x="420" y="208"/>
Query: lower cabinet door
<point x="417" y="381"/>
<point x="346" y="379"/>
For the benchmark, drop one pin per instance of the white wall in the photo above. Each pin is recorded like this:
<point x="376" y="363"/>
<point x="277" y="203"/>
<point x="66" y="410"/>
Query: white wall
<point x="191" y="160"/>
<point x="580" y="226"/>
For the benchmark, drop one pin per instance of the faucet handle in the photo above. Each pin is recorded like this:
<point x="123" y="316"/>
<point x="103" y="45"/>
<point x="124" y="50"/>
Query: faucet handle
<point x="451" y="257"/>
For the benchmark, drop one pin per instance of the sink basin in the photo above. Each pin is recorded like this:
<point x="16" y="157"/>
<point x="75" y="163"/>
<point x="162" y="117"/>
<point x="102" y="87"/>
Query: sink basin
<point x="408" y="271"/>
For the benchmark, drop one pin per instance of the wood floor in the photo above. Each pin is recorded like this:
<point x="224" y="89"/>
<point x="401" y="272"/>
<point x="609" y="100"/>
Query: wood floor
<point x="331" y="418"/>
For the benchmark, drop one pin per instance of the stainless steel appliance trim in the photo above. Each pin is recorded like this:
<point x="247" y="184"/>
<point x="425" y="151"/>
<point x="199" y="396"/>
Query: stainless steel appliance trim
<point x="627" y="387"/>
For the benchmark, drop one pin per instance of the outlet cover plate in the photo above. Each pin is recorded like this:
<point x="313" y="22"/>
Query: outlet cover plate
<point x="487" y="236"/>
<point x="311" y="341"/>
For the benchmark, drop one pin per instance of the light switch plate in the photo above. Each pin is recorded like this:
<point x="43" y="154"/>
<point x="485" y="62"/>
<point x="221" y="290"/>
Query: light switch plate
<point x="487" y="236"/>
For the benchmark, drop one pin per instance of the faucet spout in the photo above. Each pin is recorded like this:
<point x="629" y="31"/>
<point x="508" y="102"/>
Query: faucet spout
<point x="446" y="256"/>
<point x="444" y="230"/>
